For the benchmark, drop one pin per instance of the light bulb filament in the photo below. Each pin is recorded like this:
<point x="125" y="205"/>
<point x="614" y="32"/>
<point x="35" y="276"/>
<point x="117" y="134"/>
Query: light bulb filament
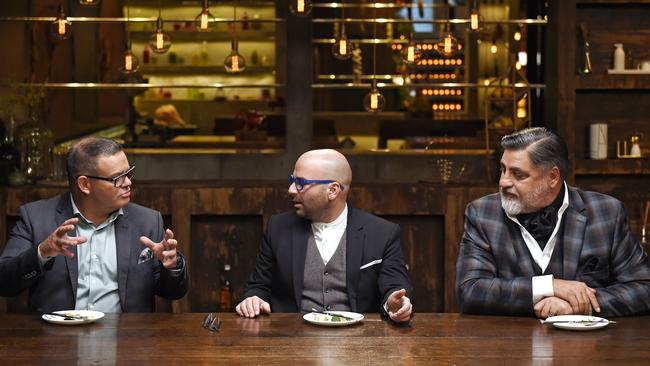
<point x="300" y="6"/>
<point x="128" y="62"/>
<point x="374" y="101"/>
<point x="493" y="48"/>
<point x="204" y="20"/>
<point x="160" y="41"/>
<point x="235" y="62"/>
<point x="517" y="36"/>
<point x="61" y="28"/>
<point x="411" y="54"/>
<point x="473" y="21"/>
<point x="447" y="46"/>
<point x="343" y="46"/>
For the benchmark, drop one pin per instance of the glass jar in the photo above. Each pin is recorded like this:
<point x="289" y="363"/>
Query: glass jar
<point x="35" y="142"/>
<point x="8" y="154"/>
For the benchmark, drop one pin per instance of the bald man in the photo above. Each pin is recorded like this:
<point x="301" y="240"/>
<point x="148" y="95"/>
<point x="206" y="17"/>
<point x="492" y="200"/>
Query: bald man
<point x="326" y="255"/>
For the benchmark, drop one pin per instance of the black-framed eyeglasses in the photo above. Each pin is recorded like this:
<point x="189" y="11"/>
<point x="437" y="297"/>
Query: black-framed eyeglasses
<point x="211" y="322"/>
<point x="118" y="181"/>
<point x="301" y="182"/>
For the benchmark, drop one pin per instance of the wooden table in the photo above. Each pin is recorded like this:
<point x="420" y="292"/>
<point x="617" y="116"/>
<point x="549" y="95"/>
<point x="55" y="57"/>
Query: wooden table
<point x="286" y="339"/>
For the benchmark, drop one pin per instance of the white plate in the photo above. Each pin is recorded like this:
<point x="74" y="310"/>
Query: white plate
<point x="89" y="316"/>
<point x="327" y="321"/>
<point x="577" y="322"/>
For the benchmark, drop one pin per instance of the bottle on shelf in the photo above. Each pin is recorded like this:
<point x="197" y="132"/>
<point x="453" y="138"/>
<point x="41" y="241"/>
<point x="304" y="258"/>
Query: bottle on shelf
<point x="8" y="153"/>
<point x="244" y="23"/>
<point x="619" y="57"/>
<point x="146" y="54"/>
<point x="204" y="53"/>
<point x="225" y="292"/>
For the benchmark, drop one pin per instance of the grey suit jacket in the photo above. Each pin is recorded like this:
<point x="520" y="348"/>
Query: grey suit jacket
<point x="278" y="275"/>
<point x="494" y="270"/>
<point x="55" y="287"/>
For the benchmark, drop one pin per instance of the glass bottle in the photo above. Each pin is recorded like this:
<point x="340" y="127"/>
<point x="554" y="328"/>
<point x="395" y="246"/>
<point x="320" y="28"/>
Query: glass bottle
<point x="8" y="154"/>
<point x="35" y="142"/>
<point x="225" y="292"/>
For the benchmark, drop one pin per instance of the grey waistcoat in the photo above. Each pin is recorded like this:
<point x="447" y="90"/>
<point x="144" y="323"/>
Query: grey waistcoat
<point x="324" y="285"/>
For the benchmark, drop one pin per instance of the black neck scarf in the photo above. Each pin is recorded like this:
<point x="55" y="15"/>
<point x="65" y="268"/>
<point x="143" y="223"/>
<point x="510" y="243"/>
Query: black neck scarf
<point x="540" y="224"/>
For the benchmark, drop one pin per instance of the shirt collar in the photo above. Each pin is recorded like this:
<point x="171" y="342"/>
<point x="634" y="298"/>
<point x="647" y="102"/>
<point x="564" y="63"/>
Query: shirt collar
<point x="339" y="223"/>
<point x="113" y="216"/>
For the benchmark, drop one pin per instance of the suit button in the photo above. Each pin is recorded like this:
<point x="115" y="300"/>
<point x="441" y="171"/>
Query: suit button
<point x="326" y="273"/>
<point x="327" y="291"/>
<point x="328" y="307"/>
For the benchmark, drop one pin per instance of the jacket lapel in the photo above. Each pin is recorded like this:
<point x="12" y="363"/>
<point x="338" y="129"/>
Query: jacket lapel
<point x="299" y="237"/>
<point x="574" y="233"/>
<point x="64" y="212"/>
<point x="355" y="241"/>
<point x="517" y="251"/>
<point x="124" y="249"/>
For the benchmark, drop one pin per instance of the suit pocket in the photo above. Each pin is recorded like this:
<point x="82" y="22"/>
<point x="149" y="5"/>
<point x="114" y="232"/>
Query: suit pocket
<point x="597" y="278"/>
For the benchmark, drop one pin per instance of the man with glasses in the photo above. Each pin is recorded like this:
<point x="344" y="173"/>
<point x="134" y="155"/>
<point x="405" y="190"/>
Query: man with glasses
<point x="90" y="248"/>
<point x="326" y="255"/>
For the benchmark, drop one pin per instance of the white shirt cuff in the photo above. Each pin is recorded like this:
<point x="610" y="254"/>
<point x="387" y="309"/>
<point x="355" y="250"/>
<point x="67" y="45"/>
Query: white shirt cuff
<point x="41" y="260"/>
<point x="542" y="287"/>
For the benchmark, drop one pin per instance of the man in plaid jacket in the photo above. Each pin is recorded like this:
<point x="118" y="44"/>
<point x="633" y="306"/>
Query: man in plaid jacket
<point x="541" y="247"/>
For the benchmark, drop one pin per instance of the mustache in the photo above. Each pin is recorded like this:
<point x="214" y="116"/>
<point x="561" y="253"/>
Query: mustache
<point x="509" y="192"/>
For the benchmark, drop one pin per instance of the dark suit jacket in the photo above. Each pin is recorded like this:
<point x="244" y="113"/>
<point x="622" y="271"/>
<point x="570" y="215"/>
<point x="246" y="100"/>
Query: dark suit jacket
<point x="55" y="287"/>
<point x="494" y="268"/>
<point x="279" y="272"/>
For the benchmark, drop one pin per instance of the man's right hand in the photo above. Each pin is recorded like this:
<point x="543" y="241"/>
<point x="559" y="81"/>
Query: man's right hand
<point x="252" y="306"/>
<point x="58" y="242"/>
<point x="578" y="294"/>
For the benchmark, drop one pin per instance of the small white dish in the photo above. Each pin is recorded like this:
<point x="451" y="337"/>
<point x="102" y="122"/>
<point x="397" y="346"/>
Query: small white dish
<point x="328" y="320"/>
<point x="87" y="316"/>
<point x="577" y="322"/>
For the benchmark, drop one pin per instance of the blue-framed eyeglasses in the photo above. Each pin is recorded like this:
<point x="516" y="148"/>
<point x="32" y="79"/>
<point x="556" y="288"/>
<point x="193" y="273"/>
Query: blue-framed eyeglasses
<point x="302" y="182"/>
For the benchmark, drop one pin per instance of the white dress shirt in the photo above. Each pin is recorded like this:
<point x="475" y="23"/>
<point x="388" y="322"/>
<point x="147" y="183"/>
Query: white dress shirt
<point x="327" y="235"/>
<point x="543" y="285"/>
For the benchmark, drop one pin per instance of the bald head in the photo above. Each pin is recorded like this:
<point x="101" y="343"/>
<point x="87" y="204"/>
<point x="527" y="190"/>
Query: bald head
<point x="327" y="164"/>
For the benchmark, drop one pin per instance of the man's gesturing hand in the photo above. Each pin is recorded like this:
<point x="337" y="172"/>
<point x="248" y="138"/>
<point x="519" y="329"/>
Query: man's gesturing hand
<point x="252" y="306"/>
<point x="165" y="251"/>
<point x="399" y="306"/>
<point x="578" y="294"/>
<point x="58" y="242"/>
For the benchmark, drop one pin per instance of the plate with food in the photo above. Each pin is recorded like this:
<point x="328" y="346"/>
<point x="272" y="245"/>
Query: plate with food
<point x="577" y="322"/>
<point x="333" y="318"/>
<point x="72" y="317"/>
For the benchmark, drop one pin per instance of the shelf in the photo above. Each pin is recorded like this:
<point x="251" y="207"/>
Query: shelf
<point x="194" y="36"/>
<point x="190" y="70"/>
<point x="612" y="167"/>
<point x="613" y="81"/>
<point x="611" y="2"/>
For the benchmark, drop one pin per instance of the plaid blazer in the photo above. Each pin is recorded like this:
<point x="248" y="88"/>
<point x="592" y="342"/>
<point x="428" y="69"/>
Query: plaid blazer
<point x="494" y="270"/>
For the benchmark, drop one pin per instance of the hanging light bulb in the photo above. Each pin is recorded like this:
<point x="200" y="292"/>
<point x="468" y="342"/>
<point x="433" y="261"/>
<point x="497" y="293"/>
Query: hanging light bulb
<point x="374" y="101"/>
<point x="204" y="21"/>
<point x="448" y="45"/>
<point x="234" y="62"/>
<point x="493" y="47"/>
<point x="342" y="48"/>
<point x="160" y="41"/>
<point x="130" y="62"/>
<point x="411" y="53"/>
<point x="474" y="19"/>
<point x="89" y="2"/>
<point x="61" y="27"/>
<point x="300" y="8"/>
<point x="517" y="35"/>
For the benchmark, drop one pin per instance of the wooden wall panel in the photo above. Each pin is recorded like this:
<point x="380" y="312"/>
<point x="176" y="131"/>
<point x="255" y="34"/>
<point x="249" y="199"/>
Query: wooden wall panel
<point x="218" y="240"/>
<point x="422" y="239"/>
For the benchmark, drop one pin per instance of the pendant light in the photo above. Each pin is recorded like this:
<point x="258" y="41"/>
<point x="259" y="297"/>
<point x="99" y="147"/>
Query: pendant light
<point x="374" y="101"/>
<point x="474" y="18"/>
<point x="61" y="26"/>
<point x="160" y="41"/>
<point x="342" y="48"/>
<point x="412" y="52"/>
<point x="300" y="8"/>
<point x="89" y="2"/>
<point x="130" y="62"/>
<point x="234" y="62"/>
<point x="448" y="45"/>
<point x="205" y="20"/>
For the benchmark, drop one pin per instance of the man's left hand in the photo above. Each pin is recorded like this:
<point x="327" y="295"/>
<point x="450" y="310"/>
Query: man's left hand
<point x="165" y="251"/>
<point x="399" y="306"/>
<point x="552" y="306"/>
